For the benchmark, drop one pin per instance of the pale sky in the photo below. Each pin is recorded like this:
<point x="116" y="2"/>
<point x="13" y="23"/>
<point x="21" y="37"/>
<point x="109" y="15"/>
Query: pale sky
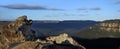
<point x="97" y="10"/>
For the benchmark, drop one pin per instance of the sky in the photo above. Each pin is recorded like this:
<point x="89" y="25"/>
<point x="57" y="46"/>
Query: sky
<point x="97" y="10"/>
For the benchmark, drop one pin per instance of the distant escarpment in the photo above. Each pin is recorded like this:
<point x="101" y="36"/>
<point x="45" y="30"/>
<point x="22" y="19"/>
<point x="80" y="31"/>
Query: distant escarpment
<point x="110" y="25"/>
<point x="108" y="28"/>
<point x="19" y="35"/>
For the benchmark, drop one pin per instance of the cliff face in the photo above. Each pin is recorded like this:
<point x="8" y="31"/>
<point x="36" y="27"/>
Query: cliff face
<point x="107" y="26"/>
<point x="110" y="26"/>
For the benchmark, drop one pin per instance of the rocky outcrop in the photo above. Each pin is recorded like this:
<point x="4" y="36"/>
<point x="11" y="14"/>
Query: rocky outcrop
<point x="16" y="31"/>
<point x="62" y="41"/>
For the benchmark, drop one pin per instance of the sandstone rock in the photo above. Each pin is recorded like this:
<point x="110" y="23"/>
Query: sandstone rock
<point x="3" y="46"/>
<point x="16" y="31"/>
<point x="4" y="43"/>
<point x="63" y="39"/>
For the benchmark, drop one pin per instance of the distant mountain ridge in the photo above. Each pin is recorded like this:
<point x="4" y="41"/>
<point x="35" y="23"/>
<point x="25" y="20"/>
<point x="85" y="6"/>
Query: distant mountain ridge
<point x="54" y="21"/>
<point x="44" y="28"/>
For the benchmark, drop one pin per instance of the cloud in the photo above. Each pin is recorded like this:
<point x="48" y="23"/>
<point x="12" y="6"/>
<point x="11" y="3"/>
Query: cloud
<point x="117" y="2"/>
<point x="28" y="7"/>
<point x="68" y="14"/>
<point x="82" y="9"/>
<point x="83" y="14"/>
<point x="94" y="8"/>
<point x="118" y="10"/>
